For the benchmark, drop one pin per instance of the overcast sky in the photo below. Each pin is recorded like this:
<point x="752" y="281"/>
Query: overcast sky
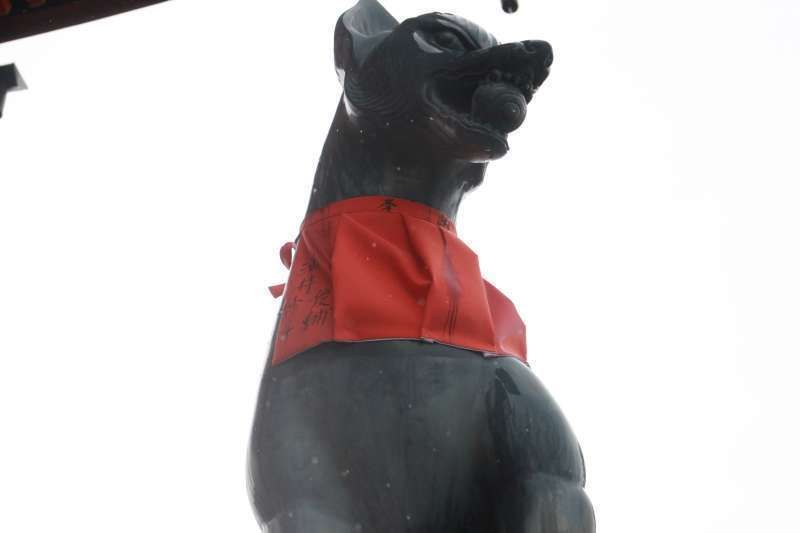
<point x="648" y="235"/>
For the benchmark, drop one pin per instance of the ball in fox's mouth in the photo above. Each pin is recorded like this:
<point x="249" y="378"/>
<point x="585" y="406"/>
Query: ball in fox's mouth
<point x="502" y="105"/>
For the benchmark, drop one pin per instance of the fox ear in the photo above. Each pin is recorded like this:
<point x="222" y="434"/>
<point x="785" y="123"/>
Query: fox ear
<point x="358" y="32"/>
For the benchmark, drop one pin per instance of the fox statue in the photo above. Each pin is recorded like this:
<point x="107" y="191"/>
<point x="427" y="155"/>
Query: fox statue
<point x="397" y="396"/>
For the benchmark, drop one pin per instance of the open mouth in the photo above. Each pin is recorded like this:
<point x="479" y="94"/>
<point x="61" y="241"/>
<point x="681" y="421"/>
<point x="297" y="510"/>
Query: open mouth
<point x="492" y="104"/>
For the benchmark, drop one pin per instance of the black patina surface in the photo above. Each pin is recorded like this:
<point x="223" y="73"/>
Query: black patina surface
<point x="402" y="436"/>
<point x="406" y="436"/>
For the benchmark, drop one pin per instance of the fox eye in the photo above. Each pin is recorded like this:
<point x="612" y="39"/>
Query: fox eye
<point x="448" y="39"/>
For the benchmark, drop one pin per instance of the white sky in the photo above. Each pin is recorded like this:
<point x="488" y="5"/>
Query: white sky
<point x="645" y="223"/>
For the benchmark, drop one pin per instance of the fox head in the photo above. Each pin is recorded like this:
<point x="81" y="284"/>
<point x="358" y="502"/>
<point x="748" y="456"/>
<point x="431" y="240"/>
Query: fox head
<point x="437" y="81"/>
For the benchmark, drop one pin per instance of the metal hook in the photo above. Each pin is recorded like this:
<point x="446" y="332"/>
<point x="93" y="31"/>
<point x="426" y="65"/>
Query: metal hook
<point x="10" y="80"/>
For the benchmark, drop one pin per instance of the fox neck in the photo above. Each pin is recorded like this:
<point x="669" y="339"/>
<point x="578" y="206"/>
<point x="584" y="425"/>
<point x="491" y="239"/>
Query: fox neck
<point x="360" y="160"/>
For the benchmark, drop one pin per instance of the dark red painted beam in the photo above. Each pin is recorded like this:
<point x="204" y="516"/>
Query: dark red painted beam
<point x="23" y="18"/>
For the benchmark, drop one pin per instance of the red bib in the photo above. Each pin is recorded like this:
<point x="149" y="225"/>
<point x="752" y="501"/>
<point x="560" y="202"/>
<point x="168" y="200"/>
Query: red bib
<point x="377" y="268"/>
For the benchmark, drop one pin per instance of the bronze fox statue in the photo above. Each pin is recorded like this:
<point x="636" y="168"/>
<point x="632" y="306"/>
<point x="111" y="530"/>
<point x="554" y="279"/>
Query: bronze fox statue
<point x="400" y="434"/>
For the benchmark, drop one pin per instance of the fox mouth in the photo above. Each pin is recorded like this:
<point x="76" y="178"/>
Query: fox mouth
<point x="483" y="95"/>
<point x="489" y="105"/>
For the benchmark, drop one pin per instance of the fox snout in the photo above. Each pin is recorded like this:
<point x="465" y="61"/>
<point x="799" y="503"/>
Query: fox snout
<point x="508" y="76"/>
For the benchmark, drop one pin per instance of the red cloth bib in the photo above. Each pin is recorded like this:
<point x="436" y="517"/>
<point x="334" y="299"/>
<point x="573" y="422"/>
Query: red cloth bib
<point x="378" y="268"/>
